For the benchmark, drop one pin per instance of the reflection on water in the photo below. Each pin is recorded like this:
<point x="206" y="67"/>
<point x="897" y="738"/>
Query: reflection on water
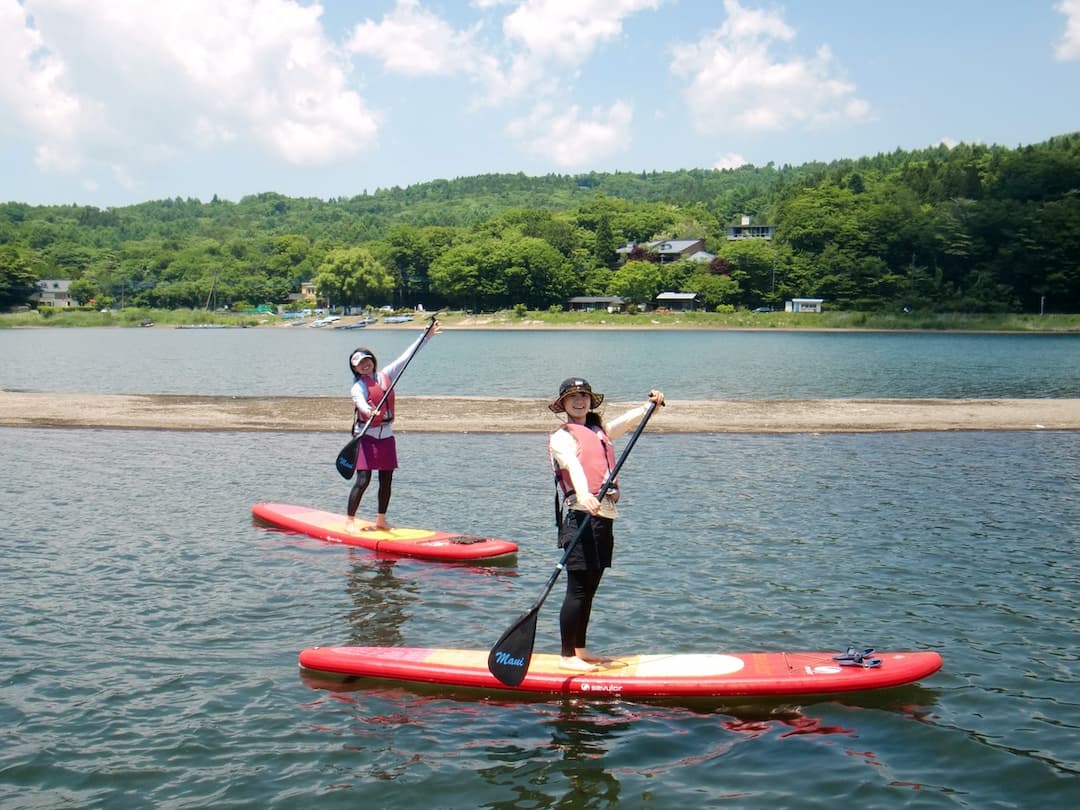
<point x="581" y="734"/>
<point x="606" y="753"/>
<point x="380" y="602"/>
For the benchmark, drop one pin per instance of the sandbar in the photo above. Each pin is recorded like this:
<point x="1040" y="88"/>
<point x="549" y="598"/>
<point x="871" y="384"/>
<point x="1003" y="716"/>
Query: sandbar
<point x="520" y="415"/>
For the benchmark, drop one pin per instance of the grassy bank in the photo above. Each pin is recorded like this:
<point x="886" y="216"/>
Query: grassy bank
<point x="777" y="320"/>
<point x="568" y="320"/>
<point x="131" y="316"/>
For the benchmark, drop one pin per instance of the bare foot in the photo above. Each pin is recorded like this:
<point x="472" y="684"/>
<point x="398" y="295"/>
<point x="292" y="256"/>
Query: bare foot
<point x="382" y="527"/>
<point x="575" y="664"/>
<point x="352" y="527"/>
<point x="589" y="657"/>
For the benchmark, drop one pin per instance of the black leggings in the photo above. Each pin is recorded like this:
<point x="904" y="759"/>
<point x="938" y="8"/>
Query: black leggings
<point x="581" y="587"/>
<point x="363" y="478"/>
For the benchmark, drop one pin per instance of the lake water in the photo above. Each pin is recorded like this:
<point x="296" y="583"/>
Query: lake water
<point x="702" y="364"/>
<point x="149" y="630"/>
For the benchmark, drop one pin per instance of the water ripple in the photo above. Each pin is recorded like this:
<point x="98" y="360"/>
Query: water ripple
<point x="150" y="630"/>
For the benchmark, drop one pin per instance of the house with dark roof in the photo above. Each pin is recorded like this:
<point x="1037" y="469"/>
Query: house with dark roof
<point x="53" y="292"/>
<point x="669" y="250"/>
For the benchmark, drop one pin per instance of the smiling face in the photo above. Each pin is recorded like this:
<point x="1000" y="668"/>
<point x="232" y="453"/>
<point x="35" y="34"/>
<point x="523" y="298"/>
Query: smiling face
<point x="365" y="367"/>
<point x="576" y="404"/>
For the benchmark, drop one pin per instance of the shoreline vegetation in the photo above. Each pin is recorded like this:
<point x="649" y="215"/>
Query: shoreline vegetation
<point x="511" y="415"/>
<point x="507" y="319"/>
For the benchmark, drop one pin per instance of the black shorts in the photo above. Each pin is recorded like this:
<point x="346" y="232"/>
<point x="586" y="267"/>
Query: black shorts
<point x="597" y="544"/>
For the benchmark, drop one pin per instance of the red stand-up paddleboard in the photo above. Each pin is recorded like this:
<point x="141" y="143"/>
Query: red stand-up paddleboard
<point x="421" y="543"/>
<point x="761" y="674"/>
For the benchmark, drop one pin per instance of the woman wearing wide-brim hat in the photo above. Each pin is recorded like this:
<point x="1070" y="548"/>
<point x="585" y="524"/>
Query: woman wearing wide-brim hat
<point x="582" y="455"/>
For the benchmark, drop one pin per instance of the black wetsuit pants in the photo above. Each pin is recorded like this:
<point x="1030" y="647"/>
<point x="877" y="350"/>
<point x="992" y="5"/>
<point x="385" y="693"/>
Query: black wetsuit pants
<point x="584" y="568"/>
<point x="363" y="478"/>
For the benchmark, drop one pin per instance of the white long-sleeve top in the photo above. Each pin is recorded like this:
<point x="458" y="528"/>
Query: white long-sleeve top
<point x="392" y="370"/>
<point x="563" y="448"/>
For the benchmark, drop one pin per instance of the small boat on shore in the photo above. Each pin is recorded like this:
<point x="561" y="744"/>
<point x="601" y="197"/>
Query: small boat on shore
<point x="360" y="324"/>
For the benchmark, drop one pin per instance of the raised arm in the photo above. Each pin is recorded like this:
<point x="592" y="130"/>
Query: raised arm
<point x="620" y="424"/>
<point x="394" y="368"/>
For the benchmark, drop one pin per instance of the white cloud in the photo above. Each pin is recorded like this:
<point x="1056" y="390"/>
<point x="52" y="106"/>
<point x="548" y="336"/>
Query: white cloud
<point x="541" y="39"/>
<point x="561" y="135"/>
<point x="1069" y="47"/>
<point x="35" y="95"/>
<point x="543" y="44"/>
<point x="731" y="160"/>
<point x="735" y="82"/>
<point x="411" y="41"/>
<point x="415" y="42"/>
<point x="118" y="86"/>
<point x="567" y="31"/>
<point x="551" y="39"/>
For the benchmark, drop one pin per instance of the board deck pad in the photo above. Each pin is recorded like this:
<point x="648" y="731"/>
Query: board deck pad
<point x="422" y="543"/>
<point x="753" y="674"/>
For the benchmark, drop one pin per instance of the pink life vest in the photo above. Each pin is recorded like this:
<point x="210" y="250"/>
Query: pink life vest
<point x="597" y="457"/>
<point x="376" y="387"/>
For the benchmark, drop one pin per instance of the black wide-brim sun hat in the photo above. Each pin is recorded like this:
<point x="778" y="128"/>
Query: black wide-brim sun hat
<point x="571" y="385"/>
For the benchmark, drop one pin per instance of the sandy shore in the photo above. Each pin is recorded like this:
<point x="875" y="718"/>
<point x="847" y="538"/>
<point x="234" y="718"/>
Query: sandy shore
<point x="507" y="415"/>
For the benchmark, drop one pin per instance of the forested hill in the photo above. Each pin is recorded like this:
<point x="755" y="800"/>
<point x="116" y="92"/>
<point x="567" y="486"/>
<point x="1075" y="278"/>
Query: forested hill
<point x="968" y="228"/>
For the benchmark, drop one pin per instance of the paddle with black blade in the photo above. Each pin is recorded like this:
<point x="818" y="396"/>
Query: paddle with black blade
<point x="509" y="658"/>
<point x="346" y="459"/>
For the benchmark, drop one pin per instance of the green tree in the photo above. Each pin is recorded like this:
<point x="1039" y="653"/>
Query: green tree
<point x="353" y="276"/>
<point x="17" y="281"/>
<point x="605" y="242"/>
<point x="488" y="272"/>
<point x="714" y="288"/>
<point x="753" y="264"/>
<point x="409" y="251"/>
<point x="83" y="291"/>
<point x="637" y="282"/>
<point x="536" y="274"/>
<point x="456" y="275"/>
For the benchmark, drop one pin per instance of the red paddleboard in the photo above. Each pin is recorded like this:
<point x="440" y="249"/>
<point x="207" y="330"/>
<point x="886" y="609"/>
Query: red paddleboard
<point x="422" y="543"/>
<point x="758" y="674"/>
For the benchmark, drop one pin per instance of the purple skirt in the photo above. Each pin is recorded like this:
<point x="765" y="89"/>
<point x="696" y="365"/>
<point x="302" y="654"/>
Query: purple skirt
<point x="377" y="454"/>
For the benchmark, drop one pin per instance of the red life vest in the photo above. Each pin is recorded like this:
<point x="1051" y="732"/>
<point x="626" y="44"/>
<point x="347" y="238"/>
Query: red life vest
<point x="597" y="457"/>
<point x="376" y="387"/>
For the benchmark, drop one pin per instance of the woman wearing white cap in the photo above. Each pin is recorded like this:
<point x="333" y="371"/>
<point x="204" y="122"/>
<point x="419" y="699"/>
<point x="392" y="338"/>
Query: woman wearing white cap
<point x="377" y="449"/>
<point x="582" y="456"/>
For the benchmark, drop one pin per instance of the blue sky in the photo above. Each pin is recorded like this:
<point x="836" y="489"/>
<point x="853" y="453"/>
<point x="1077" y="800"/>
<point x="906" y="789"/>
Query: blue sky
<point x="114" y="102"/>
